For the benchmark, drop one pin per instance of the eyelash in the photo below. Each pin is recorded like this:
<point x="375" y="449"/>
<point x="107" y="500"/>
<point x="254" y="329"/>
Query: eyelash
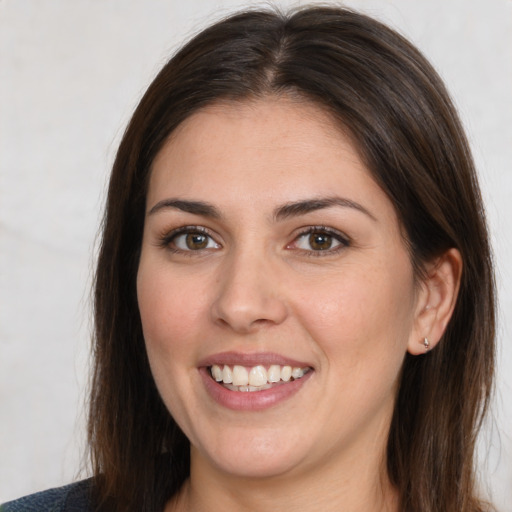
<point x="166" y="240"/>
<point x="343" y="240"/>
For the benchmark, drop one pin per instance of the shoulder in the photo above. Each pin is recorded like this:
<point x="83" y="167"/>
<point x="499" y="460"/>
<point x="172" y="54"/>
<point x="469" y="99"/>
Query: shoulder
<point x="70" y="498"/>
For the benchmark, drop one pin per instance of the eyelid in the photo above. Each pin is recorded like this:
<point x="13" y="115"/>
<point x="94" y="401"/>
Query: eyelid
<point x="343" y="239"/>
<point x="167" y="237"/>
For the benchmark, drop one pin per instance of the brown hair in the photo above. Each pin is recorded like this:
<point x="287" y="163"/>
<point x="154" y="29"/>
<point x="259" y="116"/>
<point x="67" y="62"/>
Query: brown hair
<point x="396" y="108"/>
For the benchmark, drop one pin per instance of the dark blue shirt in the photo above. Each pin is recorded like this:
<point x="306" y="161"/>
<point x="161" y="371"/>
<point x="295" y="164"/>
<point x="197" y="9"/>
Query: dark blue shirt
<point x="70" y="498"/>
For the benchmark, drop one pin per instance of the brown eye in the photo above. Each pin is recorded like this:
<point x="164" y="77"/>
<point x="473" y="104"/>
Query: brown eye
<point x="320" y="241"/>
<point x="317" y="240"/>
<point x="196" y="241"/>
<point x="188" y="241"/>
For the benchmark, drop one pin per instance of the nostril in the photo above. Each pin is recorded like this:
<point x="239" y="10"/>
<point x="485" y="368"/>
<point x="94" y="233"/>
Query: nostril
<point x="245" y="313"/>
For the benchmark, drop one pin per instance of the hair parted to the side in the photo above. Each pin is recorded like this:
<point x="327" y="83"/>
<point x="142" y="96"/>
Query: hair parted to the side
<point x="384" y="93"/>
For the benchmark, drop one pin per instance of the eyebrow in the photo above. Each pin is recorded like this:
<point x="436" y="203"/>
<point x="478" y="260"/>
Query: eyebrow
<point x="310" y="205"/>
<point x="195" y="207"/>
<point x="293" y="209"/>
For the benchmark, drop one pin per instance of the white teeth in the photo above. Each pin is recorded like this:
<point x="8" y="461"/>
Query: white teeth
<point x="216" y="373"/>
<point x="240" y="376"/>
<point x="257" y="378"/>
<point x="297" y="373"/>
<point x="274" y="373"/>
<point x="227" y="375"/>
<point x="286" y="373"/>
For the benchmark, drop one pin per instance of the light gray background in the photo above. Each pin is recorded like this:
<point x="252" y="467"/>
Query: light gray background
<point x="71" y="71"/>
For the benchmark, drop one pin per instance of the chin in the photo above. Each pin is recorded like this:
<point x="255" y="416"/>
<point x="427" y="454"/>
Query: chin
<point x="257" y="468"/>
<point x="257" y="457"/>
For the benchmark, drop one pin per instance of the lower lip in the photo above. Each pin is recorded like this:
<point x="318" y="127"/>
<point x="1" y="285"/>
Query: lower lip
<point x="251" y="400"/>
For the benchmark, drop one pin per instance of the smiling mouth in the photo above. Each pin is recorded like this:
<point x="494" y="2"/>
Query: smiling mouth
<point x="255" y="378"/>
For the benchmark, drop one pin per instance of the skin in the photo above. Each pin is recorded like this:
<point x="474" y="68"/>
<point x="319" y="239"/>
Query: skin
<point x="351" y="312"/>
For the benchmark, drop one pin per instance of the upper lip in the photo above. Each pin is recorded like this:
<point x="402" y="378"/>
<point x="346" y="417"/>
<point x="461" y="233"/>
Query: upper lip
<point x="251" y="359"/>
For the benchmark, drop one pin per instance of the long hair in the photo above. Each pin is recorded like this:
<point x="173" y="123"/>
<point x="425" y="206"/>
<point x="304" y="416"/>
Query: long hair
<point x="384" y="93"/>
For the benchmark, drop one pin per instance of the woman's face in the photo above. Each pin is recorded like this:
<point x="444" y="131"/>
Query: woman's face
<point x="268" y="247"/>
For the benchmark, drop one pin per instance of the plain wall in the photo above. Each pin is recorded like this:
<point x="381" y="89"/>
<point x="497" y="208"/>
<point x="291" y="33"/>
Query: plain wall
<point x="71" y="72"/>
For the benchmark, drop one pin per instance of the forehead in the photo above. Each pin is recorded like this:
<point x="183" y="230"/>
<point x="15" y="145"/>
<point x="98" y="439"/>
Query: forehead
<point x="279" y="110"/>
<point x="268" y="129"/>
<point x="273" y="149"/>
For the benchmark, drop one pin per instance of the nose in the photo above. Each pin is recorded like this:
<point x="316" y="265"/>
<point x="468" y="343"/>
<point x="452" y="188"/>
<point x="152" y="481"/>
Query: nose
<point x="249" y="296"/>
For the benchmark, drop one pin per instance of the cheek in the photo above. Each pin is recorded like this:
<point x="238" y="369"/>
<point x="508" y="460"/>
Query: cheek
<point x="170" y="315"/>
<point x="366" y="311"/>
<point x="170" y="310"/>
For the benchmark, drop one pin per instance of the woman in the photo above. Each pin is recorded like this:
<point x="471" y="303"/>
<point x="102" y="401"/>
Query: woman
<point x="294" y="297"/>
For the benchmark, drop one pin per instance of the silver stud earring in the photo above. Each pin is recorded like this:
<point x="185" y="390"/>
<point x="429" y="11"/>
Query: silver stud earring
<point x="426" y="344"/>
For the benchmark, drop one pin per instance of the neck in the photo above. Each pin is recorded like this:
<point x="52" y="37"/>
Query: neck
<point x="360" y="486"/>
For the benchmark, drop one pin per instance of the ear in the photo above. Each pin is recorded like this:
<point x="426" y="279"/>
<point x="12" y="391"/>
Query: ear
<point x="435" y="302"/>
